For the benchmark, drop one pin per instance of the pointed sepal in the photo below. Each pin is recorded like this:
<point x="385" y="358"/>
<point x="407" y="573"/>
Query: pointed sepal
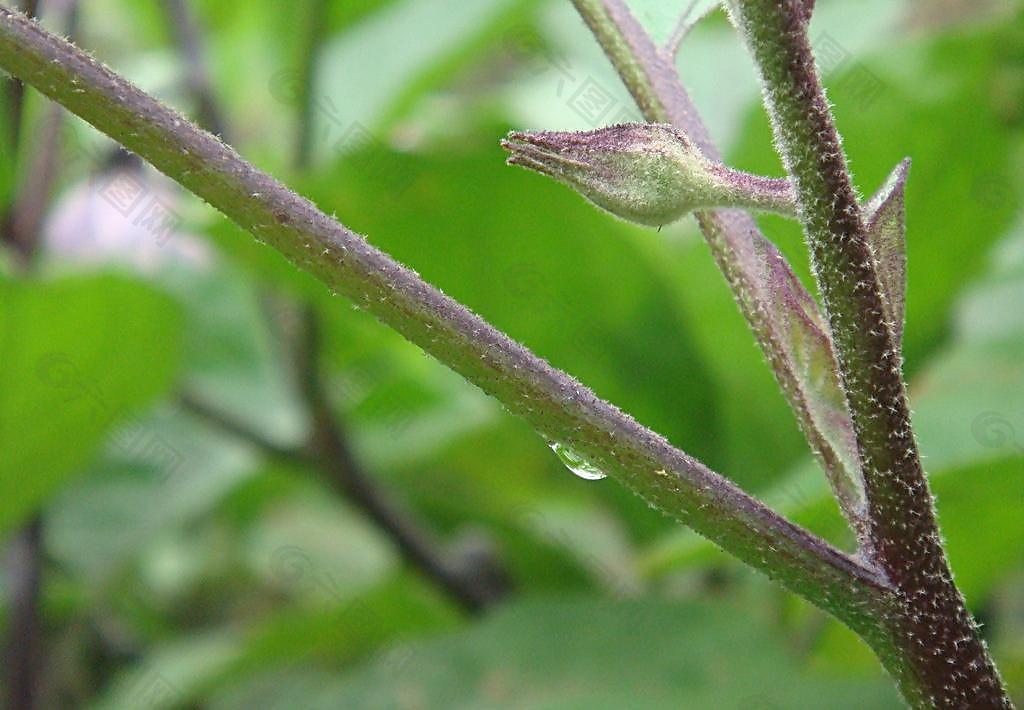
<point x="885" y="218"/>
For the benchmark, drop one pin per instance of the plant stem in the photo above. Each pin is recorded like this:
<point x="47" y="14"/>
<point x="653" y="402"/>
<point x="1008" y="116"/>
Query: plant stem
<point x="753" y="192"/>
<point x="23" y="223"/>
<point x="557" y="406"/>
<point x="942" y="661"/>
<point x="743" y="255"/>
<point x="15" y="90"/>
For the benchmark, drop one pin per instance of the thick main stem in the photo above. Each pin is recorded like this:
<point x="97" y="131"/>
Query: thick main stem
<point x="942" y="660"/>
<point x="557" y="406"/>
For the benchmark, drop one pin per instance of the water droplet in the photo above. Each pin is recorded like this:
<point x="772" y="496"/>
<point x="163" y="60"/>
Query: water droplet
<point x="576" y="463"/>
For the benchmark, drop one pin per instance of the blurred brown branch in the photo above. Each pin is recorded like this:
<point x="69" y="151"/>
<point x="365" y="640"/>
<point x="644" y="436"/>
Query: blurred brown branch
<point x="473" y="583"/>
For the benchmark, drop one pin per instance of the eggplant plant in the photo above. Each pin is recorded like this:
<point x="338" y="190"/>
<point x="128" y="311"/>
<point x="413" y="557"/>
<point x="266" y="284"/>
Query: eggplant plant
<point x="836" y="354"/>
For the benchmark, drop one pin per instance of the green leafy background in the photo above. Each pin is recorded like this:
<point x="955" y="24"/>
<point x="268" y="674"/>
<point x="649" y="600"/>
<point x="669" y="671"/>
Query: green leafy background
<point x="166" y="577"/>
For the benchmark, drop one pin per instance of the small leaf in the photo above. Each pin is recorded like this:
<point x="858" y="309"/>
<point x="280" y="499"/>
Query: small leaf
<point x="886" y="226"/>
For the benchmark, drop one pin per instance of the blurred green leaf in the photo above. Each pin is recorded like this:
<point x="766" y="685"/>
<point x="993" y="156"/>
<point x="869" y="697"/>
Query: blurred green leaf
<point x="359" y="83"/>
<point x="233" y="362"/>
<point x="605" y="654"/>
<point x="124" y="503"/>
<point x="318" y="550"/>
<point x="79" y="356"/>
<point x="241" y="661"/>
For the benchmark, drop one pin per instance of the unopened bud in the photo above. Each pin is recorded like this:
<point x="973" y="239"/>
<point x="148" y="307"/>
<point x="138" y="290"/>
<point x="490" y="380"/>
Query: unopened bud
<point x="643" y="172"/>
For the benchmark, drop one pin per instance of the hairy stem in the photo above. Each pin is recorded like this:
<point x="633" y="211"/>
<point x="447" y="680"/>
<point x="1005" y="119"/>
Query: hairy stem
<point x="756" y="193"/>
<point x="753" y="267"/>
<point x="557" y="406"/>
<point x="14" y="88"/>
<point x="942" y="661"/>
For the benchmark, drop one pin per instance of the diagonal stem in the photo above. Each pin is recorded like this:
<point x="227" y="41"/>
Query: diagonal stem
<point x="942" y="661"/>
<point x="15" y="95"/>
<point x="557" y="406"/>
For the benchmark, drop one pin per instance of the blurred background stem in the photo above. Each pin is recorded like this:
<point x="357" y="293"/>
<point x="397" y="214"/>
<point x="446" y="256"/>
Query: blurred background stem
<point x="24" y="643"/>
<point x="473" y="582"/>
<point x="21" y="229"/>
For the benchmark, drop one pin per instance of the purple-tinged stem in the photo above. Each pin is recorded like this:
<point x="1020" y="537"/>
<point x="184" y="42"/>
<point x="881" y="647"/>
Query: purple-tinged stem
<point x="941" y="660"/>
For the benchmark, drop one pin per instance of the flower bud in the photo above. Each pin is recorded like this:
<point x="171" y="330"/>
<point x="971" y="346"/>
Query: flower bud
<point x="643" y="172"/>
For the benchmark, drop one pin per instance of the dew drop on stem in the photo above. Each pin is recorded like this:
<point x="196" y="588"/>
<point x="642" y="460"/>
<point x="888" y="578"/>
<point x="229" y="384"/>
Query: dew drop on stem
<point x="576" y="463"/>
